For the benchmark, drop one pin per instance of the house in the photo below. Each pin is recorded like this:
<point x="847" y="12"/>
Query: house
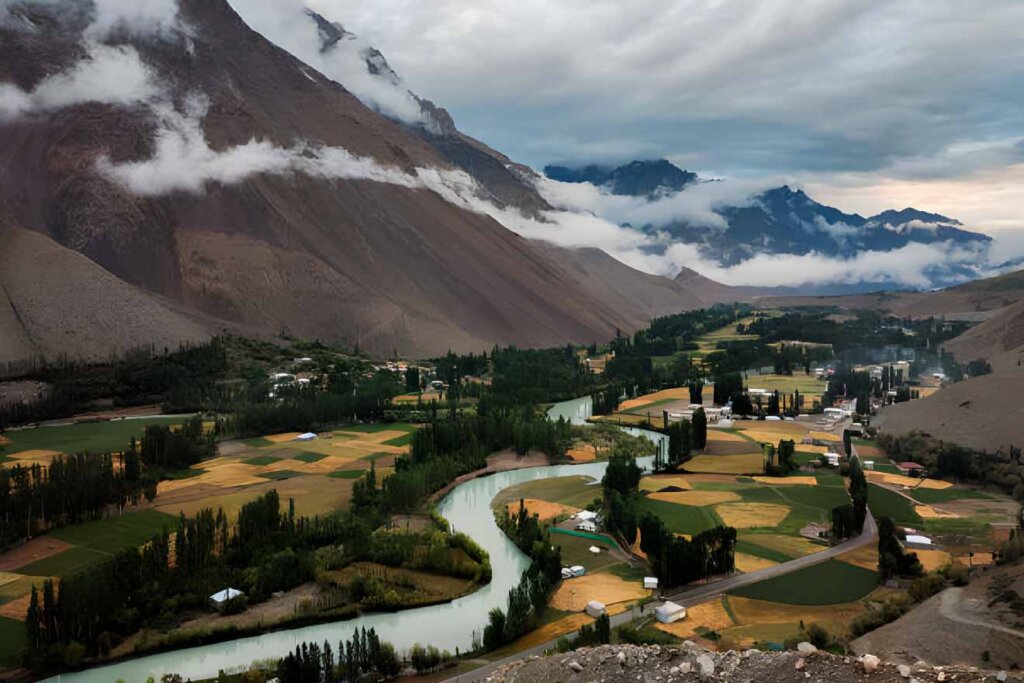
<point x="651" y="583"/>
<point x="222" y="598"/>
<point x="586" y="526"/>
<point x="670" y="612"/>
<point x="910" y="468"/>
<point x="594" y="609"/>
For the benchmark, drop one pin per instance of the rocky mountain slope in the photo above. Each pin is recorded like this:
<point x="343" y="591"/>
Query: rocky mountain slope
<point x="689" y="662"/>
<point x="196" y="177"/>
<point x="641" y="178"/>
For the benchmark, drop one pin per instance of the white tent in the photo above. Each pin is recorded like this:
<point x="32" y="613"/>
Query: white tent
<point x="594" y="608"/>
<point x="585" y="515"/>
<point x="225" y="595"/>
<point x="308" y="436"/>
<point x="594" y="549"/>
<point x="669" y="612"/>
<point x="918" y="539"/>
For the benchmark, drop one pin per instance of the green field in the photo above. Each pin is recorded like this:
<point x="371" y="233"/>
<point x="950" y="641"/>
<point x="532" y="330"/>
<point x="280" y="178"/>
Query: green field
<point x="746" y="547"/>
<point x="63" y="564"/>
<point x="807" y="385"/>
<point x="828" y="583"/>
<point x="262" y="460"/>
<point x="347" y="474"/>
<point x="403" y="440"/>
<point x="92" y="437"/>
<point x="682" y="519"/>
<point x="886" y="503"/>
<point x="280" y="475"/>
<point x="13" y="640"/>
<point x="380" y="427"/>
<point x="577" y="551"/>
<point x="929" y="496"/>
<point x="308" y="457"/>
<point x="576" y="491"/>
<point x="116" y="533"/>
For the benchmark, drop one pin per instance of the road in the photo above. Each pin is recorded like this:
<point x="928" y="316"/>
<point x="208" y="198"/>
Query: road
<point x="698" y="595"/>
<point x="951" y="608"/>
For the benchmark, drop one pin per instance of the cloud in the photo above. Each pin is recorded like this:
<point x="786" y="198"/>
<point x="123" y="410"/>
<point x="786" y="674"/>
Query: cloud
<point x="107" y="74"/>
<point x="287" y="24"/>
<point x="184" y="162"/>
<point x="133" y="16"/>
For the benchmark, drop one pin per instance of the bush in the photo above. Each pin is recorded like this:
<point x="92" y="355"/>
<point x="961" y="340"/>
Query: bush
<point x="926" y="586"/>
<point x="818" y="636"/>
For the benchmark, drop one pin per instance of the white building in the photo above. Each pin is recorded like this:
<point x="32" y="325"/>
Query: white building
<point x="594" y="609"/>
<point x="587" y="526"/>
<point x="225" y="596"/>
<point x="651" y="583"/>
<point x="670" y="612"/>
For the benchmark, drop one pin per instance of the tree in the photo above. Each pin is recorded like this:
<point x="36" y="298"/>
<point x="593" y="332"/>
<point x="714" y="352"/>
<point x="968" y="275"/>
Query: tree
<point x="699" y="429"/>
<point x="412" y="379"/>
<point x="893" y="560"/>
<point x="741" y="405"/>
<point x="696" y="388"/>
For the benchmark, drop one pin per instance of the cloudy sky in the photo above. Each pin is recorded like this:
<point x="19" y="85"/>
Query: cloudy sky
<point x="867" y="104"/>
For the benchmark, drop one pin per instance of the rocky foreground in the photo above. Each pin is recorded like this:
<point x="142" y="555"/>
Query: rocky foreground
<point x="690" y="662"/>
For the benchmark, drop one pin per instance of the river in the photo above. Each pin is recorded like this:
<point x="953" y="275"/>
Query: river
<point x="449" y="626"/>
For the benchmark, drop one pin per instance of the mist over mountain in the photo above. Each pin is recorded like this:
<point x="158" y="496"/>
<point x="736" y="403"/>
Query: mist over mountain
<point x="781" y="221"/>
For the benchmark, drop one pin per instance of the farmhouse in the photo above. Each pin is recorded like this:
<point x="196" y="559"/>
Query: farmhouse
<point x="910" y="468"/>
<point x="670" y="612"/>
<point x="222" y="598"/>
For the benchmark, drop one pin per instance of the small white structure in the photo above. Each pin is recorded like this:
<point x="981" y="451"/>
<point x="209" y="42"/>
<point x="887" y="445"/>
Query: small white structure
<point x="594" y="549"/>
<point x="585" y="516"/>
<point x="586" y="526"/>
<point x="594" y="608"/>
<point x="223" y="597"/>
<point x="670" y="612"/>
<point x="566" y="573"/>
<point x="918" y="539"/>
<point x="651" y="583"/>
<point x="832" y="459"/>
<point x="308" y="436"/>
<point x="772" y="418"/>
<point x="869" y="464"/>
<point x="577" y="570"/>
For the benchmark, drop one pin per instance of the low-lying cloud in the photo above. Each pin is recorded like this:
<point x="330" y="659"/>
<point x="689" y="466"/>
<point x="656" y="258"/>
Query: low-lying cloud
<point x="107" y="74"/>
<point x="134" y="16"/>
<point x="287" y="24"/>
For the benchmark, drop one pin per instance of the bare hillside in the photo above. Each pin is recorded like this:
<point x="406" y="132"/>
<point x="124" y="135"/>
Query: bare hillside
<point x="309" y="213"/>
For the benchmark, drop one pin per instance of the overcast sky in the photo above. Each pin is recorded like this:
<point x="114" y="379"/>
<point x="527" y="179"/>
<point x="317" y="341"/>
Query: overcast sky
<point x="866" y="104"/>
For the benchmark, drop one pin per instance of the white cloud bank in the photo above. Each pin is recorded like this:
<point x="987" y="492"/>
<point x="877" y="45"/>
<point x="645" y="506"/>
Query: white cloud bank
<point x="110" y="75"/>
<point x="286" y="23"/>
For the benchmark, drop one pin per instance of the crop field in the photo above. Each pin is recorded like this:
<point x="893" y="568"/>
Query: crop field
<point x="682" y="519"/>
<point x="777" y="546"/>
<point x="828" y="583"/>
<point x="886" y="503"/>
<point x="576" y="491"/>
<point x="752" y="563"/>
<point x="746" y="463"/>
<point x="13" y="640"/>
<point x="92" y="437"/>
<point x="751" y="515"/>
<point x="764" y="621"/>
<point x="808" y="385"/>
<point x="929" y="496"/>
<point x="543" y="509"/>
<point x="696" y="498"/>
<point x="116" y="533"/>
<point x="63" y="564"/>
<point x="576" y="551"/>
<point x="708" y="616"/>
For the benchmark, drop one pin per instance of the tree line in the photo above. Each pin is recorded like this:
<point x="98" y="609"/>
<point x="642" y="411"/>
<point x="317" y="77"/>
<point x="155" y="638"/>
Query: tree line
<point x="84" y="486"/>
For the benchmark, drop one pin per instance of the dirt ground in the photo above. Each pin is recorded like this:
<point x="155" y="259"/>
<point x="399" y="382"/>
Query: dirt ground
<point x="751" y="563"/>
<point x="682" y="663"/>
<point x="37" y="549"/>
<point x="956" y="626"/>
<point x="787" y="481"/>
<point x="710" y="615"/>
<point x="542" y="508"/>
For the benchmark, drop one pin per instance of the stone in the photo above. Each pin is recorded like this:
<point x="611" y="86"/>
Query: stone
<point x="685" y="668"/>
<point x="941" y="677"/>
<point x="674" y="671"/>
<point x="806" y="648"/>
<point x="621" y="657"/>
<point x="575" y="666"/>
<point x="1001" y="677"/>
<point x="904" y="670"/>
<point x="801" y="664"/>
<point x="869" y="663"/>
<point x="706" y="666"/>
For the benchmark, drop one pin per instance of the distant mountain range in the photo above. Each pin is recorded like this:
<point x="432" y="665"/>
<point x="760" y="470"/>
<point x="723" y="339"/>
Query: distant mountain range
<point x="637" y="179"/>
<point x="781" y="220"/>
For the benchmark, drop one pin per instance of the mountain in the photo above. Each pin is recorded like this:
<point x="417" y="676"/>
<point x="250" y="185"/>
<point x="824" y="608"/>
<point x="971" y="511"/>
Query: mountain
<point x="507" y="183"/>
<point x="636" y="179"/>
<point x="160" y="184"/>
<point x="788" y="221"/>
<point x="785" y="220"/>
